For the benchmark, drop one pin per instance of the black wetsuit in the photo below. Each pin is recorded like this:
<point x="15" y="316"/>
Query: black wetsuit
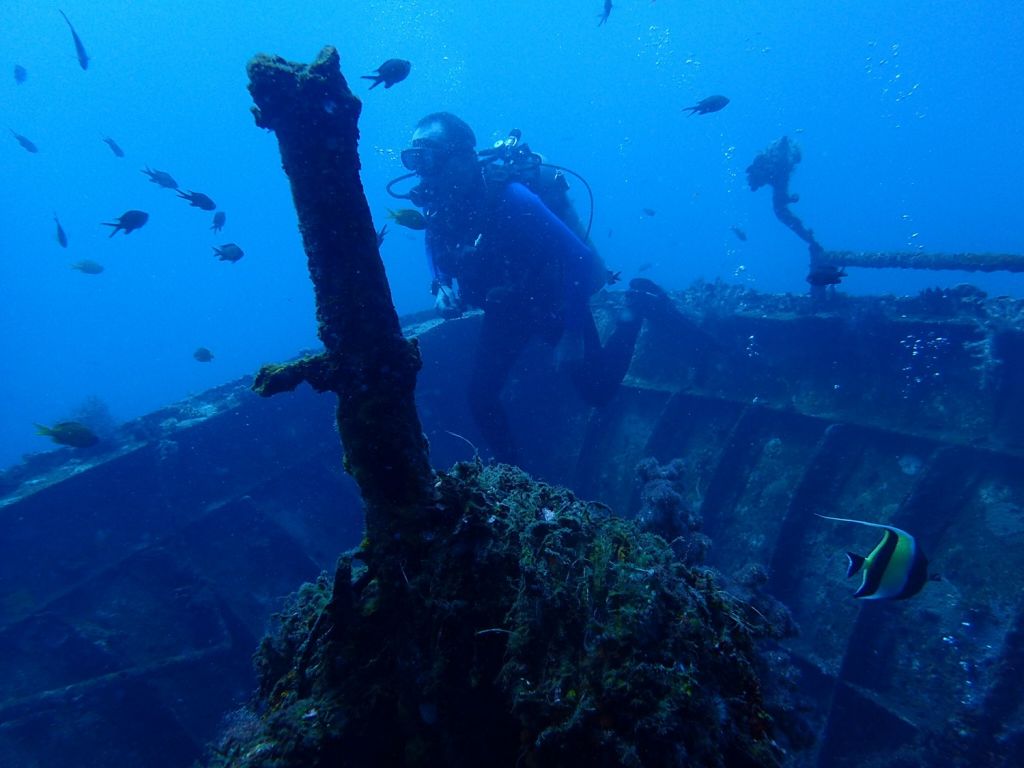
<point x="533" y="277"/>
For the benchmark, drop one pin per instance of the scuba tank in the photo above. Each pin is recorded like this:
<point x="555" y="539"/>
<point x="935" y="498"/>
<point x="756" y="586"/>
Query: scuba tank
<point x="511" y="159"/>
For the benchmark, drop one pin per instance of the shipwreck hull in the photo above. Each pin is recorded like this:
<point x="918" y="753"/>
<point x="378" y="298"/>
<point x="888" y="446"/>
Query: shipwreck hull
<point x="150" y="568"/>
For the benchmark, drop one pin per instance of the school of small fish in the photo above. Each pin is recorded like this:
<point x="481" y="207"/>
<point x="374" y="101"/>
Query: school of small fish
<point x="76" y="434"/>
<point x="131" y="220"/>
<point x="72" y="433"/>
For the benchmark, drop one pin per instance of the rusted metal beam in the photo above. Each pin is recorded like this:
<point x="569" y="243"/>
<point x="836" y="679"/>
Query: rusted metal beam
<point x="967" y="262"/>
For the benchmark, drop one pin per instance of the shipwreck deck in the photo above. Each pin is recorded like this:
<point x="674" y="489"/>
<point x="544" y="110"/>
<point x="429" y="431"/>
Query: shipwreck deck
<point x="137" y="578"/>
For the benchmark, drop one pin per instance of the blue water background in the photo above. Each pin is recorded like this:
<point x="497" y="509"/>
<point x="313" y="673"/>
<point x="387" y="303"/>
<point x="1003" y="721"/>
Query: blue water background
<point x="908" y="114"/>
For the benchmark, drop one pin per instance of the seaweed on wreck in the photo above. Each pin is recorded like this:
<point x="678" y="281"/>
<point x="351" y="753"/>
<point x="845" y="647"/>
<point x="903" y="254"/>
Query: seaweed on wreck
<point x="535" y="629"/>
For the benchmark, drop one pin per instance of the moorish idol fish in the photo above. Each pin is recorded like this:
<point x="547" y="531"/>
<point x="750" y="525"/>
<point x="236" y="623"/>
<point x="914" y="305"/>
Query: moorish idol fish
<point x="896" y="568"/>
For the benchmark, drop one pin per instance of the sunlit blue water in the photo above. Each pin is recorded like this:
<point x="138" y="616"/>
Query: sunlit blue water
<point x="908" y="116"/>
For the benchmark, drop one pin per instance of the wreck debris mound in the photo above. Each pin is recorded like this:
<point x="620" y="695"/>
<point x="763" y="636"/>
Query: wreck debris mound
<point x="535" y="629"/>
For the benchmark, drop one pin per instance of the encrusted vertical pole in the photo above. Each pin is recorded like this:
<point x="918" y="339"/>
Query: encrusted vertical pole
<point x="366" y="362"/>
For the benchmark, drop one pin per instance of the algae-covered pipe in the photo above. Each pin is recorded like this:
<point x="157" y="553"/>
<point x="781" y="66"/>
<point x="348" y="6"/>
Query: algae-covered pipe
<point x="967" y="262"/>
<point x="367" y="362"/>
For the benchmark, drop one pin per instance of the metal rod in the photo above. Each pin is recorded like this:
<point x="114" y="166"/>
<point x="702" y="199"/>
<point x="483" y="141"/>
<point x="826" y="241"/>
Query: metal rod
<point x="968" y="262"/>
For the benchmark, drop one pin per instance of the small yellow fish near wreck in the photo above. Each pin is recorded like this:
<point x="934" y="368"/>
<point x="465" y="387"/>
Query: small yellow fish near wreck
<point x="72" y="433"/>
<point x="408" y="217"/>
<point x="896" y="568"/>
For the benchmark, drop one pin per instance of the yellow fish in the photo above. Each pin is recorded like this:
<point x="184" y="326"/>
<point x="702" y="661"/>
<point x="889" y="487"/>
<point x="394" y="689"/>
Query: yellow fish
<point x="896" y="568"/>
<point x="408" y="217"/>
<point x="69" y="433"/>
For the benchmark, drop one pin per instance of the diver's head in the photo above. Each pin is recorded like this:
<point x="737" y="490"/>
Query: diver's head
<point x="443" y="153"/>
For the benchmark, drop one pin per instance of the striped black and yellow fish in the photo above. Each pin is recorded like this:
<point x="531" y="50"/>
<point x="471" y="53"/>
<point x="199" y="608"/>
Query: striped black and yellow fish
<point x="896" y="568"/>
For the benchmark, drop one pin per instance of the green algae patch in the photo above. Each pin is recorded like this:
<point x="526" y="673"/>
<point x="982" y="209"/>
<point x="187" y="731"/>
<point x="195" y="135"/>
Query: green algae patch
<point x="530" y="628"/>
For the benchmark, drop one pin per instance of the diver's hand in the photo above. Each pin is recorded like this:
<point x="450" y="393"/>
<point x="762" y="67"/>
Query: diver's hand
<point x="447" y="303"/>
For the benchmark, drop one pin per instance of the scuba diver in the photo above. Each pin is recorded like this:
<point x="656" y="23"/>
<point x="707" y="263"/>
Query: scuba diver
<point x="503" y="236"/>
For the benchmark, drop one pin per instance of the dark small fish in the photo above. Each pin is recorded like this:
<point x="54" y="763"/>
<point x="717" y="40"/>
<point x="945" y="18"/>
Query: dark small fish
<point x="198" y="200"/>
<point x="118" y="152"/>
<point x="826" y="274"/>
<point x="710" y="104"/>
<point x="648" y="211"/>
<point x="71" y="433"/>
<point x="62" y="237"/>
<point x="740" y="234"/>
<point x="129" y="221"/>
<point x="408" y="217"/>
<point x="83" y="57"/>
<point x="390" y="72"/>
<point x="380" y="235"/>
<point x="228" y="252"/>
<point x="896" y="568"/>
<point x="603" y="16"/>
<point x="88" y="267"/>
<point x="161" y="178"/>
<point x="203" y="355"/>
<point x="20" y="74"/>
<point x="611" y="277"/>
<point x="218" y="221"/>
<point x="27" y="143"/>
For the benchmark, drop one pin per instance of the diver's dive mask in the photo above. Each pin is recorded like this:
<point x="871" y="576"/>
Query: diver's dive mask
<point x="423" y="159"/>
<point x="420" y="159"/>
<point x="434" y="164"/>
